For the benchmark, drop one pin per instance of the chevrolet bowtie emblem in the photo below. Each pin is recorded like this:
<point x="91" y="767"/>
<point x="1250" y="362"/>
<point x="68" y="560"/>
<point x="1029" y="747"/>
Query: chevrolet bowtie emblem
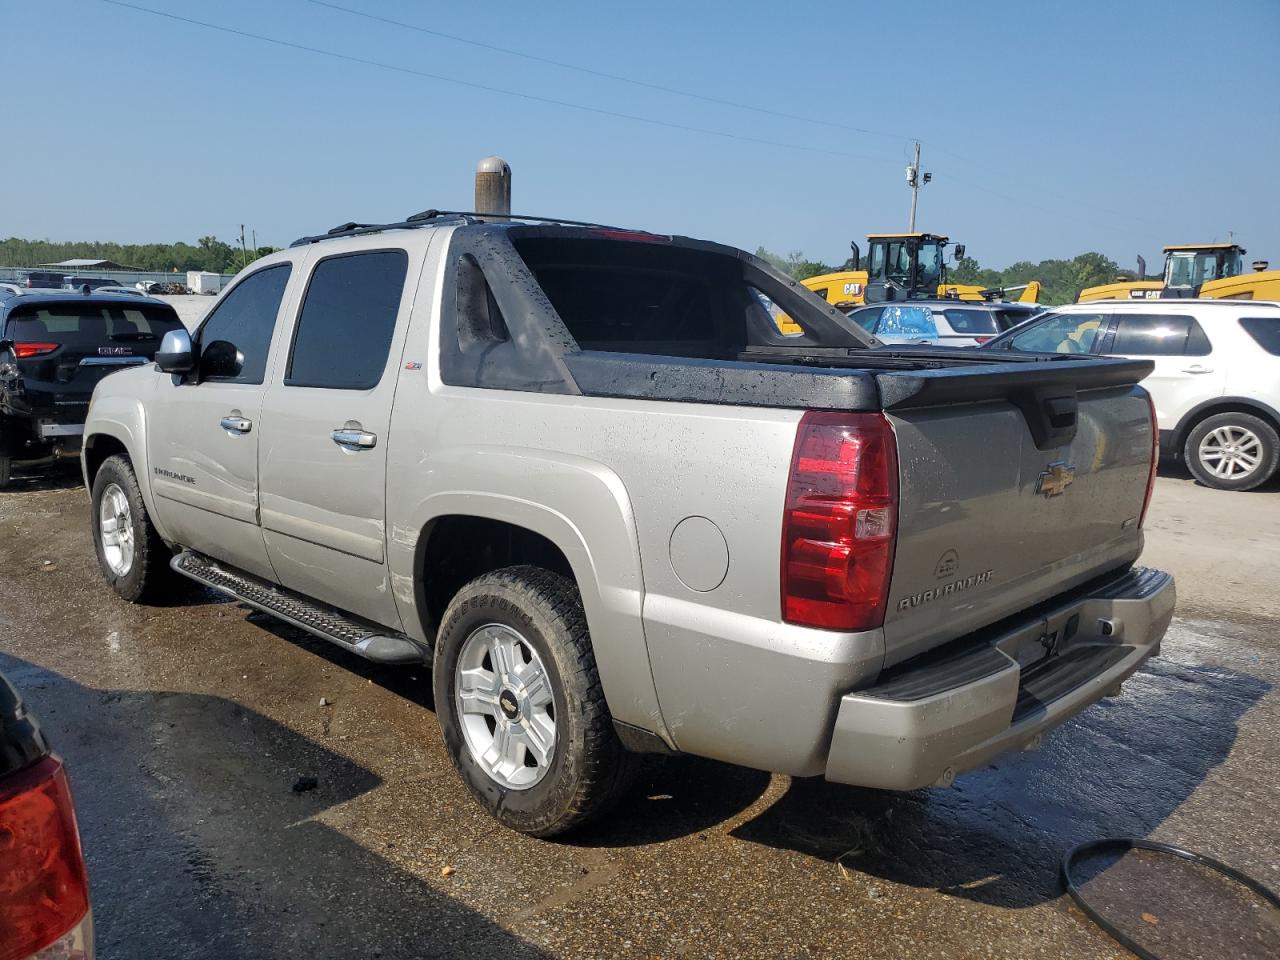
<point x="1053" y="482"/>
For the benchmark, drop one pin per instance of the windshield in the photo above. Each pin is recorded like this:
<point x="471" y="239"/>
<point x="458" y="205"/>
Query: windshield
<point x="89" y="324"/>
<point x="1056" y="333"/>
<point x="898" y="267"/>
<point x="1190" y="269"/>
<point x="929" y="260"/>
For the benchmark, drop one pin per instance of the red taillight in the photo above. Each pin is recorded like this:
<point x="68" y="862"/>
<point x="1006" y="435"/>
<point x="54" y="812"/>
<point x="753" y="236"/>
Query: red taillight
<point x="25" y="350"/>
<point x="983" y="339"/>
<point x="44" y="893"/>
<point x="840" y="521"/>
<point x="1155" y="459"/>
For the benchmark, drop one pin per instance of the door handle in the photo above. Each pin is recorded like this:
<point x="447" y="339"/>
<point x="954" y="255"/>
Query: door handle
<point x="236" y="424"/>
<point x="354" y="438"/>
<point x="1197" y="368"/>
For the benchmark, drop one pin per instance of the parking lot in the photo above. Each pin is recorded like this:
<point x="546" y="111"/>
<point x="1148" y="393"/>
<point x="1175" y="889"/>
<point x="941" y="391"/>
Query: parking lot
<point x="186" y="727"/>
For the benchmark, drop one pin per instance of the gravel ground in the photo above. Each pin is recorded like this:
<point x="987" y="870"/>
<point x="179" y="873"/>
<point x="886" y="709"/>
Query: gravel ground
<point x="185" y="727"/>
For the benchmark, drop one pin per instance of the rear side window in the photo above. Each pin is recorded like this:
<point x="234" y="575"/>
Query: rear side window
<point x="1265" y="331"/>
<point x="607" y="307"/>
<point x="971" y="321"/>
<point x="234" y="341"/>
<point x="90" y="324"/>
<point x="1159" y="335"/>
<point x="347" y="321"/>
<point x="915" y="322"/>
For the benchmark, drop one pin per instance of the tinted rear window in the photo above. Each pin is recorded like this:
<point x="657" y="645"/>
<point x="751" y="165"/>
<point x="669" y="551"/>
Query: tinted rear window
<point x="971" y="321"/>
<point x="90" y="324"/>
<point x="1266" y="331"/>
<point x="1008" y="319"/>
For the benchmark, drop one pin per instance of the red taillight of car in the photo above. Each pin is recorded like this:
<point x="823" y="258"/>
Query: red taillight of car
<point x="24" y="351"/>
<point x="840" y="521"/>
<point x="44" y="892"/>
<point x="1155" y="460"/>
<point x="982" y="340"/>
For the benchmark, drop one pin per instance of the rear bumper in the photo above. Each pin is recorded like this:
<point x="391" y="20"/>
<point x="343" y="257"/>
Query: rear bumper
<point x="930" y="719"/>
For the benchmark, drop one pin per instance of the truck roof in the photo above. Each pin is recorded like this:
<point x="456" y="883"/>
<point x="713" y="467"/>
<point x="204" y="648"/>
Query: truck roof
<point x="908" y="236"/>
<point x="1173" y="247"/>
<point x="441" y="218"/>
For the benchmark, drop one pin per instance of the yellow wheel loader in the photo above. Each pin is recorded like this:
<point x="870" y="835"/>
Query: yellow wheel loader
<point x="904" y="266"/>
<point x="1210" y="270"/>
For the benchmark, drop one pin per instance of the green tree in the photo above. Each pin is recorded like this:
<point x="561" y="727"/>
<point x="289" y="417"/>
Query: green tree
<point x="794" y="264"/>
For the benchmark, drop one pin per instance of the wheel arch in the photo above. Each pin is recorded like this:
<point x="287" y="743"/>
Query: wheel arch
<point x="556" y="510"/>
<point x="1210" y="408"/>
<point x="117" y="424"/>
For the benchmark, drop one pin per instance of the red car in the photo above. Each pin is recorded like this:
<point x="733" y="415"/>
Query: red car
<point x="44" y="890"/>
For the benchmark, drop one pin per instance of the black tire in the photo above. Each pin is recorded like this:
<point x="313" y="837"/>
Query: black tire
<point x="1268" y="451"/>
<point x="590" y="769"/>
<point x="6" y="471"/>
<point x="149" y="574"/>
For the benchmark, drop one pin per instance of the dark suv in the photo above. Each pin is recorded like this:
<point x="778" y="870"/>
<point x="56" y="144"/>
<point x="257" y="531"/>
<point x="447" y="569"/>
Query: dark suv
<point x="42" y="280"/>
<point x="55" y="346"/>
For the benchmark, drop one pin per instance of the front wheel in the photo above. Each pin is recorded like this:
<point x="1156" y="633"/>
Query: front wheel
<point x="520" y="704"/>
<point x="132" y="556"/>
<point x="1232" y="451"/>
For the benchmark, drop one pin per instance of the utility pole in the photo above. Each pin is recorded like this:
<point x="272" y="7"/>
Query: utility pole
<point x="244" y="254"/>
<point x="915" y="180"/>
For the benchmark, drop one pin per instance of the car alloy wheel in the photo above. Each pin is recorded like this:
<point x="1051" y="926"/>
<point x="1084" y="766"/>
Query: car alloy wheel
<point x="1231" y="452"/>
<point x="505" y="704"/>
<point x="115" y="520"/>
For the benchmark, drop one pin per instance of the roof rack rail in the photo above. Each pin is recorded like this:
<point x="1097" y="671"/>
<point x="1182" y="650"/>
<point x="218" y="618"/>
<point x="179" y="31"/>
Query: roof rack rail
<point x="433" y="217"/>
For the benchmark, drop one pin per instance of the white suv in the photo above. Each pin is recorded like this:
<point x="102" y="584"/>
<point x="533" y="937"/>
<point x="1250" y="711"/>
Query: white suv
<point x="1216" y="383"/>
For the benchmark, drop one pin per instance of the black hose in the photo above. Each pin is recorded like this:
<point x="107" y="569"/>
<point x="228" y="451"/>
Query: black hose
<point x="1123" y="844"/>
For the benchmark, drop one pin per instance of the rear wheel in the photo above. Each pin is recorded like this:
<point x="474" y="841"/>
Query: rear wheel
<point x="1232" y="451"/>
<point x="520" y="703"/>
<point x="133" y="558"/>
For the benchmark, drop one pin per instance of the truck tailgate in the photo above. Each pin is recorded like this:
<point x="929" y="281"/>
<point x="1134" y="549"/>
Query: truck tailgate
<point x="1001" y="509"/>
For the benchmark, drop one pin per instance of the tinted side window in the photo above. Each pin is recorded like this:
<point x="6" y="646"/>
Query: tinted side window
<point x="866" y="317"/>
<point x="1158" y="335"/>
<point x="1060" y="333"/>
<point x="1266" y="331"/>
<point x="348" y="318"/>
<point x="234" y="341"/>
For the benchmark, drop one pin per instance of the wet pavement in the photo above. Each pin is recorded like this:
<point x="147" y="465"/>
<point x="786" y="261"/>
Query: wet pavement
<point x="186" y="726"/>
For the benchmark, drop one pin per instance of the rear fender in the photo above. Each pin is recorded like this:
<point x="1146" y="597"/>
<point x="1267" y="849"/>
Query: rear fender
<point x="579" y="505"/>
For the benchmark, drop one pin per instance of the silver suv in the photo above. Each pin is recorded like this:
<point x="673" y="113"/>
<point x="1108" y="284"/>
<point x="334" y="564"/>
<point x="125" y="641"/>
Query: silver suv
<point x="581" y="473"/>
<point x="950" y="323"/>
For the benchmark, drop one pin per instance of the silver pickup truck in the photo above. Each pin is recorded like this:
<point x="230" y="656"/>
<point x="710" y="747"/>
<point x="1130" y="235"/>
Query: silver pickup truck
<point x="581" y="472"/>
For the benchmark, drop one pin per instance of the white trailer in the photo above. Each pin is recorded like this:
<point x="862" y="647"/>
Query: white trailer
<point x="201" y="281"/>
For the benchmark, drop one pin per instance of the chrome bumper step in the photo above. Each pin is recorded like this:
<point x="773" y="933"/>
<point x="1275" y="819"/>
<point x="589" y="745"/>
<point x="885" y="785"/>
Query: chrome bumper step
<point x="363" y="639"/>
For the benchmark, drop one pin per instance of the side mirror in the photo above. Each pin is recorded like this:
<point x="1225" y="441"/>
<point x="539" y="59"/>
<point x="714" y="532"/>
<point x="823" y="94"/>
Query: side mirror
<point x="959" y="251"/>
<point x="176" y="354"/>
<point x="856" y="260"/>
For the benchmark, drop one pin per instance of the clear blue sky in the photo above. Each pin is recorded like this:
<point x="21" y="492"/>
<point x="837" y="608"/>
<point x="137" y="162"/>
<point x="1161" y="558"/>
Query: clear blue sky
<point x="1050" y="129"/>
